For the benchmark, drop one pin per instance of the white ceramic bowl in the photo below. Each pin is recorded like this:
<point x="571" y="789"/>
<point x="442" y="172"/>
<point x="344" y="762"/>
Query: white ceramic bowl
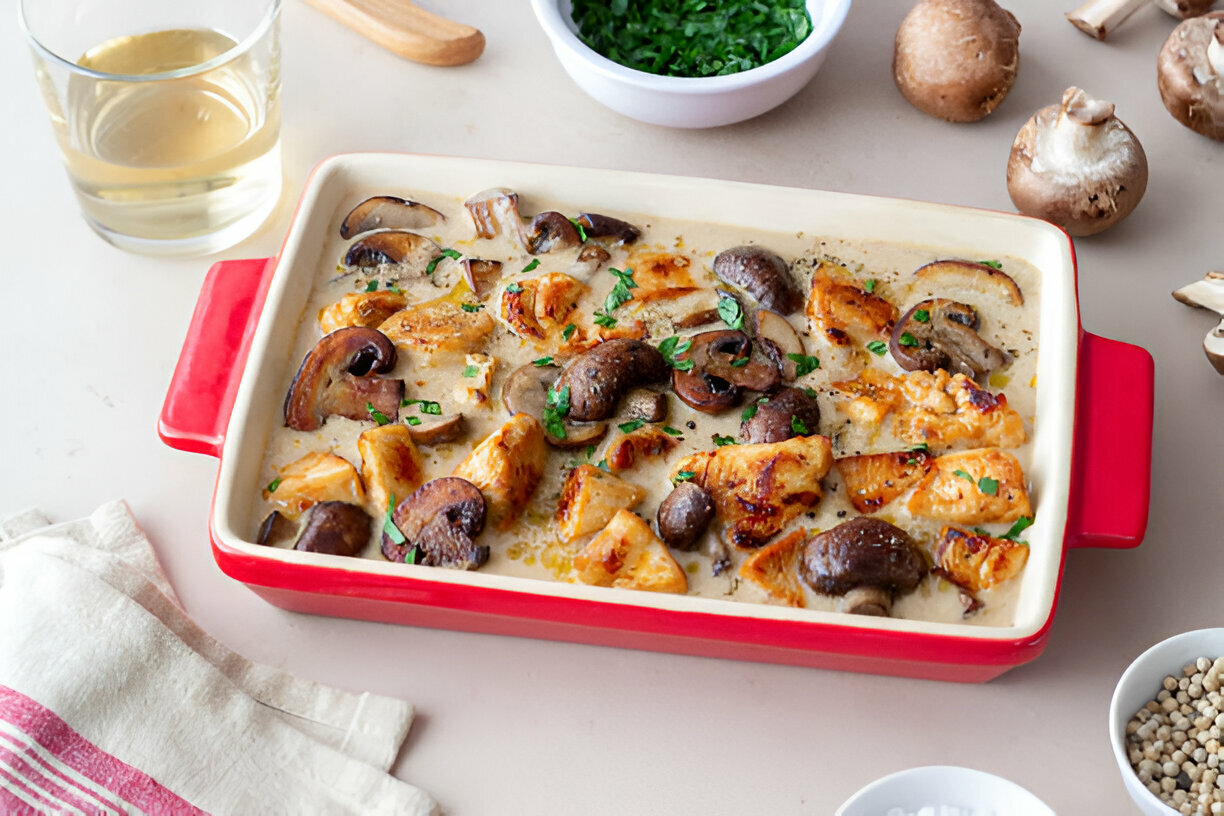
<point x="690" y="102"/>
<point x="967" y="790"/>
<point x="1140" y="683"/>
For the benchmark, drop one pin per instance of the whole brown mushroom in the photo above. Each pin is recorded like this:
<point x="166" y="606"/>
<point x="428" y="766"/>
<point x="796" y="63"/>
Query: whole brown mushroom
<point x="1190" y="74"/>
<point x="1077" y="165"/>
<point x="956" y="59"/>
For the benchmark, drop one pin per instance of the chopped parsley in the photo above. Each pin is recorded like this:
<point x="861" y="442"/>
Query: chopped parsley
<point x="392" y="532"/>
<point x="804" y="363"/>
<point x="682" y="476"/>
<point x="424" y="406"/>
<point x="590" y="451"/>
<point x="922" y="315"/>
<point x="620" y="293"/>
<point x="869" y="286"/>
<point x="964" y="475"/>
<point x="376" y="415"/>
<point x="372" y="286"/>
<point x="799" y="426"/>
<point x="992" y="264"/>
<point x="514" y="288"/>
<point x="275" y="483"/>
<point x="921" y="446"/>
<point x="605" y="320"/>
<point x="558" y="405"/>
<point x="568" y="331"/>
<point x="988" y="485"/>
<point x="413" y="420"/>
<point x="531" y="266"/>
<point x="447" y="252"/>
<point x="671" y="346"/>
<point x="393" y="287"/>
<point x="582" y="236"/>
<point x="906" y="339"/>
<point x="602" y="464"/>
<point x="877" y="347"/>
<point x="749" y="411"/>
<point x="540" y="362"/>
<point x="631" y="426"/>
<point x="670" y="431"/>
<point x="471" y="307"/>
<point x="720" y="440"/>
<point x="731" y="312"/>
<point x="740" y="362"/>
<point x="1021" y="524"/>
<point x="471" y="371"/>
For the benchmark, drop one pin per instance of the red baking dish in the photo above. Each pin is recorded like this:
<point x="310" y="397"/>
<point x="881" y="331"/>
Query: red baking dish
<point x="226" y="393"/>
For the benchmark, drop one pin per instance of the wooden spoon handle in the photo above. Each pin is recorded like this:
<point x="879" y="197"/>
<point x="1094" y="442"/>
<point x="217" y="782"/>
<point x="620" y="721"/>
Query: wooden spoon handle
<point x="403" y="28"/>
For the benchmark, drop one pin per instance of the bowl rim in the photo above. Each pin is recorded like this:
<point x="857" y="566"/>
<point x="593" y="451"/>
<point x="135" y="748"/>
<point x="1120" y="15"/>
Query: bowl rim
<point x="1159" y="653"/>
<point x="562" y="34"/>
<point x="906" y="781"/>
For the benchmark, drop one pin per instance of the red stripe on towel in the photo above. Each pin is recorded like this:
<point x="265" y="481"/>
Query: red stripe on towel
<point x="72" y="752"/>
<point x="42" y="781"/>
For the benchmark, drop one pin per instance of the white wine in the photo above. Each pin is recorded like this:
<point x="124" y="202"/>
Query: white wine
<point x="173" y="160"/>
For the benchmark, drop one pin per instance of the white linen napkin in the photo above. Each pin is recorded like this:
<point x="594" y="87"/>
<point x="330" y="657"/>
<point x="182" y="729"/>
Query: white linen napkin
<point x="113" y="701"/>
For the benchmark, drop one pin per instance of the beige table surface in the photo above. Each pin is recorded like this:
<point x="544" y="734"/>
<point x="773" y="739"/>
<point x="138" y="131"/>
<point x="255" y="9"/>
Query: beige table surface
<point x="89" y="336"/>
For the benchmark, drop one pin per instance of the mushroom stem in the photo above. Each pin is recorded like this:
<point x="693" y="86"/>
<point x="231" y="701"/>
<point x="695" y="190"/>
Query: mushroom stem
<point x="1097" y="18"/>
<point x="1215" y="54"/>
<point x="1185" y="9"/>
<point x="868" y="600"/>
<point x="1208" y="294"/>
<point x="1078" y="142"/>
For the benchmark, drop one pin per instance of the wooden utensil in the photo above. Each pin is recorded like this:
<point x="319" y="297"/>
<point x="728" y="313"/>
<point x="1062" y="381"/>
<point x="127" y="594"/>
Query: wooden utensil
<point x="405" y="29"/>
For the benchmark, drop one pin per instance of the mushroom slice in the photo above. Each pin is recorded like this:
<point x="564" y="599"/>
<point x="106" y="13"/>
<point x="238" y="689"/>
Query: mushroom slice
<point x="940" y="333"/>
<point x="436" y="525"/>
<point x="389" y="212"/>
<point x="627" y="554"/>
<point x="549" y="231"/>
<point x="589" y="500"/>
<point x="971" y="276"/>
<point x="335" y="528"/>
<point x="439" y="325"/>
<point x="507" y="467"/>
<point x="972" y="487"/>
<point x="863" y="553"/>
<point x="336" y="378"/>
<point x="438" y="431"/>
<point x="526" y="391"/>
<point x="391" y="466"/>
<point x="590" y="260"/>
<point x="775" y="569"/>
<point x="1208" y="294"/>
<point x="367" y="309"/>
<point x="684" y="515"/>
<point x="873" y="480"/>
<point x="495" y="212"/>
<point x="315" y="477"/>
<point x="1077" y="165"/>
<point x="407" y="249"/>
<point x="780" y="342"/>
<point x="1190" y="74"/>
<point x="722" y="367"/>
<point x="481" y="276"/>
<point x="1097" y="18"/>
<point x="974" y="561"/>
<point x="956" y="59"/>
<point x="785" y="413"/>
<point x="762" y="274"/>
<point x="605" y="226"/>
<point x="275" y="529"/>
<point x="597" y="378"/>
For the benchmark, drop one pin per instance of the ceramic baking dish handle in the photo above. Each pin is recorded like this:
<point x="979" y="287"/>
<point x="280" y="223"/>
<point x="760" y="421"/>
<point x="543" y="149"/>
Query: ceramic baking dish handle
<point x="201" y="394"/>
<point x="1111" y="465"/>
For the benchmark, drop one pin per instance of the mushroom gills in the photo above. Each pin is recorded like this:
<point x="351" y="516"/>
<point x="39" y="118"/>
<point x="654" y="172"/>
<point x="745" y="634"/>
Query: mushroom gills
<point x="393" y="247"/>
<point x="941" y="333"/>
<point x="389" y="212"/>
<point x="436" y="525"/>
<point x="722" y="367"/>
<point x="337" y="378"/>
<point x="526" y="392"/>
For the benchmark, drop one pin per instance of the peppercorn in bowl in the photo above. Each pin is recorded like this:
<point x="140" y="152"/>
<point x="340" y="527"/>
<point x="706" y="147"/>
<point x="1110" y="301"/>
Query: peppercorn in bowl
<point x="669" y="64"/>
<point x="1166" y="725"/>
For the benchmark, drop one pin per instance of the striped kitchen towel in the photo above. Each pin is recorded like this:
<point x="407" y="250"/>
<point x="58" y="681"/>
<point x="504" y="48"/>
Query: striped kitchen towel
<point x="113" y="701"/>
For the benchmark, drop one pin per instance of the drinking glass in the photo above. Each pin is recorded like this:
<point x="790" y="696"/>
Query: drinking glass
<point x="167" y="115"/>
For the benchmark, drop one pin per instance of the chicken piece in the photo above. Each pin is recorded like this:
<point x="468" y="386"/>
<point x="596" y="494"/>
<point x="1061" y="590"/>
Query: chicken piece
<point x="537" y="309"/>
<point x="507" y="467"/>
<point x="874" y="479"/>
<point x="631" y="329"/>
<point x="758" y="489"/>
<point x="668" y="297"/>
<point x="589" y="500"/>
<point x="975" y="562"/>
<point x="369" y="309"/>
<point x="627" y="554"/>
<point x="938" y="409"/>
<point x="477" y="380"/>
<point x="391" y="466"/>
<point x="439" y="325"/>
<point x="972" y="487"/>
<point x="647" y="441"/>
<point x="316" y="477"/>
<point x="840" y="310"/>
<point x="654" y="271"/>
<point x="775" y="569"/>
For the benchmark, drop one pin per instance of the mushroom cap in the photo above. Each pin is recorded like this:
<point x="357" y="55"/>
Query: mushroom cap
<point x="1085" y="187"/>
<point x="598" y="377"/>
<point x="337" y="378"/>
<point x="440" y="519"/>
<point x="863" y="551"/>
<point x="1196" y="103"/>
<point x="389" y="212"/>
<point x="684" y="515"/>
<point x="956" y="59"/>
<point x="780" y="416"/>
<point x="722" y="368"/>
<point x="761" y="273"/>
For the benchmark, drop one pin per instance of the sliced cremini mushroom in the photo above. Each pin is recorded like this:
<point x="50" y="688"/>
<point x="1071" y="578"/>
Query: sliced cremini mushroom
<point x="598" y="378"/>
<point x="971" y="276"/>
<point x="481" y="276"/>
<point x="335" y="528"/>
<point x="590" y="260"/>
<point x="438" y="430"/>
<point x="1077" y="165"/>
<point x="865" y="554"/>
<point x="1208" y="293"/>
<point x="407" y="249"/>
<point x="956" y="59"/>
<point x="785" y="413"/>
<point x="780" y="342"/>
<point x="684" y="515"/>
<point x="389" y="212"/>
<point x="275" y="529"/>
<point x="1190" y="74"/>
<point x="605" y="226"/>
<point x="436" y="525"/>
<point x="762" y="274"/>
<point x="549" y="231"/>
<point x="495" y="212"/>
<point x="337" y="378"/>
<point x="526" y="391"/>
<point x="722" y="367"/>
<point x="941" y="333"/>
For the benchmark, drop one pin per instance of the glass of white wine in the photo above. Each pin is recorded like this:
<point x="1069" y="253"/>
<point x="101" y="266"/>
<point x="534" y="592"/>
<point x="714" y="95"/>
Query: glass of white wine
<point x="167" y="115"/>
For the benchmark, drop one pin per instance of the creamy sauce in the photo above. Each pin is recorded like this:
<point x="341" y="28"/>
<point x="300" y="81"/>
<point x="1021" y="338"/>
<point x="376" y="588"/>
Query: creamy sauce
<point x="532" y="547"/>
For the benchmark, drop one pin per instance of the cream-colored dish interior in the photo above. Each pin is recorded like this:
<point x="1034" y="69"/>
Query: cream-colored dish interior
<point x="952" y="231"/>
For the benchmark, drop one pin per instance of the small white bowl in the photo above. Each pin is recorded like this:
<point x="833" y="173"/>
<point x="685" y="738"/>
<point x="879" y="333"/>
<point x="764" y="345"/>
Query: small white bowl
<point x="1139" y="684"/>
<point x="690" y="102"/>
<point x="966" y="790"/>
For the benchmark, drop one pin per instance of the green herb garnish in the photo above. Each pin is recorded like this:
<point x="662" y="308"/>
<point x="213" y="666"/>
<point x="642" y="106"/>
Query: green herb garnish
<point x="799" y="426"/>
<point x="750" y="410"/>
<point x="964" y="475"/>
<point x="275" y="483"/>
<point x="531" y="266"/>
<point x="582" y="236"/>
<point x="447" y="252"/>
<point x="869" y="286"/>
<point x="988" y="485"/>
<point x="471" y="307"/>
<point x="558" y="405"/>
<point x="740" y="362"/>
<point x="605" y="320"/>
<point x="804" y="363"/>
<point x="731" y="313"/>
<point x="671" y="346"/>
<point x="631" y="426"/>
<point x="514" y="288"/>
<point x="376" y="415"/>
<point x="389" y="527"/>
<point x="372" y="286"/>
<point x="906" y="339"/>
<point x="540" y="362"/>
<point x="670" y="431"/>
<point x="413" y="420"/>
<point x="424" y="406"/>
<point x="568" y="331"/>
<point x="1021" y="524"/>
<point x="922" y="315"/>
<point x="471" y="371"/>
<point x="877" y="347"/>
<point x="992" y="264"/>
<point x="620" y="293"/>
<point x="720" y="440"/>
<point x="682" y="476"/>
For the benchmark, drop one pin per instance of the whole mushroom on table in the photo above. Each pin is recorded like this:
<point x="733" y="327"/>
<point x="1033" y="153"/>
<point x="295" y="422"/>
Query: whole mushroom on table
<point x="1190" y="74"/>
